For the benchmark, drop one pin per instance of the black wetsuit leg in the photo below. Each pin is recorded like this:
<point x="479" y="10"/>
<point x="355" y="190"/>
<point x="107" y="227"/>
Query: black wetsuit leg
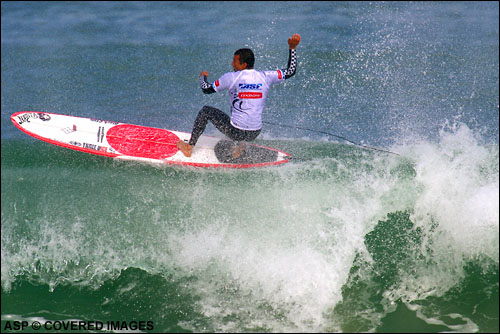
<point x="222" y="122"/>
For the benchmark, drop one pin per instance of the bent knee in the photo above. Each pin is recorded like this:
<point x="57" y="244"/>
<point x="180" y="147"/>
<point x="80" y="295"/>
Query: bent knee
<point x="206" y="109"/>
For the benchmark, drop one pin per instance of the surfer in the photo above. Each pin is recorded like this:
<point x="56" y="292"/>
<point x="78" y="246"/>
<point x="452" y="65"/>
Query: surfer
<point x="248" y="90"/>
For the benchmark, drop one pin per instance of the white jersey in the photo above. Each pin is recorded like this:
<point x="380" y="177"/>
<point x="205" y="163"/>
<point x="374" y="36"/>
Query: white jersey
<point x="247" y="94"/>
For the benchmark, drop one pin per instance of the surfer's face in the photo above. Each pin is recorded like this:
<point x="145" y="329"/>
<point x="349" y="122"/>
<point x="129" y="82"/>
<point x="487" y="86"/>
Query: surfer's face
<point x="236" y="64"/>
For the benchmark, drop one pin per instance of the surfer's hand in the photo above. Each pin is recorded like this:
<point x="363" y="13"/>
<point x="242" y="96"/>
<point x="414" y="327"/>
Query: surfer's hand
<point x="204" y="73"/>
<point x="294" y="41"/>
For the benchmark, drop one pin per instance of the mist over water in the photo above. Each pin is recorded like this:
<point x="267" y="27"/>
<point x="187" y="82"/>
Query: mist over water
<point x="339" y="239"/>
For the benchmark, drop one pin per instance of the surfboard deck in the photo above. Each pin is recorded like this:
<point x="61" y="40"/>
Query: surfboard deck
<point x="140" y="143"/>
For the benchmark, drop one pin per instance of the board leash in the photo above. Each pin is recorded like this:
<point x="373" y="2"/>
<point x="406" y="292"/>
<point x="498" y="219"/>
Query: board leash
<point x="333" y="135"/>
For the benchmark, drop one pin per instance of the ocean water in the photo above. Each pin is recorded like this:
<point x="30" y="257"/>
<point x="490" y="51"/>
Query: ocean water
<point x="340" y="239"/>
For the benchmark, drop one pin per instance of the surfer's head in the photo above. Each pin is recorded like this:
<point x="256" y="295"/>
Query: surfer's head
<point x="243" y="59"/>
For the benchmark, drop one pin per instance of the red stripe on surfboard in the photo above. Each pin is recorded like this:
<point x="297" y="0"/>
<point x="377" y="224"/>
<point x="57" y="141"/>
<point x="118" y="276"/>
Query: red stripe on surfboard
<point x="144" y="142"/>
<point x="199" y="164"/>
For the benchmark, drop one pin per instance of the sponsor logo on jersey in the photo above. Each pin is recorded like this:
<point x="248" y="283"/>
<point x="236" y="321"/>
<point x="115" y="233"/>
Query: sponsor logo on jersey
<point x="250" y="95"/>
<point x="250" y="86"/>
<point x="217" y="83"/>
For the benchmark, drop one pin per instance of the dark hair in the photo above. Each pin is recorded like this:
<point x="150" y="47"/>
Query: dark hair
<point x="246" y="56"/>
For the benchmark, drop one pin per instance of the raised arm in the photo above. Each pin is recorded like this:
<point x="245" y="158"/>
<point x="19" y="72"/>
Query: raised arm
<point x="205" y="86"/>
<point x="292" y="56"/>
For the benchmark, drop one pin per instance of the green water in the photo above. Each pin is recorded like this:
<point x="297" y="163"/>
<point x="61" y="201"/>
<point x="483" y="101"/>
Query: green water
<point x="340" y="239"/>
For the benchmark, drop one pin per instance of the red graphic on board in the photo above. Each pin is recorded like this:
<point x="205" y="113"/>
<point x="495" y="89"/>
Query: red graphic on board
<point x="144" y="142"/>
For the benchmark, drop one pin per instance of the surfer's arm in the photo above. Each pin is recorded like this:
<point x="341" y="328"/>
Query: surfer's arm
<point x="292" y="64"/>
<point x="206" y="87"/>
<point x="292" y="56"/>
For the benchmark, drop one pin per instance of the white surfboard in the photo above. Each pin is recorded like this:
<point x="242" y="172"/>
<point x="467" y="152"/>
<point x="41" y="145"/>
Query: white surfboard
<point x="140" y="143"/>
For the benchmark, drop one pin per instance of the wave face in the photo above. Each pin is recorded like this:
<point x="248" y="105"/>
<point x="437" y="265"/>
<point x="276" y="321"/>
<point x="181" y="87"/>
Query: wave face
<point x="343" y="239"/>
<point x="339" y="239"/>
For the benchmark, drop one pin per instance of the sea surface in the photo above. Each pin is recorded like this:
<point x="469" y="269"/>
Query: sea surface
<point x="340" y="239"/>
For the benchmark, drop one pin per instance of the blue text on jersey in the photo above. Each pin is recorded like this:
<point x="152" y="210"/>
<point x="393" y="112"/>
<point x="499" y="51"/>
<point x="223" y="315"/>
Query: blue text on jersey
<point x="249" y="86"/>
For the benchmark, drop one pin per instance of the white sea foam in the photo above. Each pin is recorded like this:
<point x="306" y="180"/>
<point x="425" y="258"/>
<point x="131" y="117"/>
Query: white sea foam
<point x="271" y="249"/>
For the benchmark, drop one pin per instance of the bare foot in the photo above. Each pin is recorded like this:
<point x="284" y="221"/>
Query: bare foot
<point x="185" y="148"/>
<point x="238" y="150"/>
